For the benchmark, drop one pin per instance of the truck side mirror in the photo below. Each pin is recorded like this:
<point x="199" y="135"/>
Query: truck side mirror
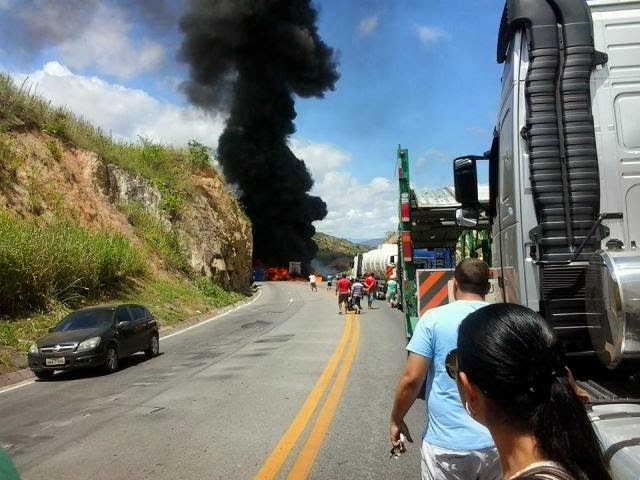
<point x="467" y="217"/>
<point x="465" y="179"/>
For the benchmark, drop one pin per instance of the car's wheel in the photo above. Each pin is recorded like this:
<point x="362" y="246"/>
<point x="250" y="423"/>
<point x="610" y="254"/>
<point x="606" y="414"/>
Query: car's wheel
<point x="111" y="359"/>
<point x="154" y="347"/>
<point x="43" y="374"/>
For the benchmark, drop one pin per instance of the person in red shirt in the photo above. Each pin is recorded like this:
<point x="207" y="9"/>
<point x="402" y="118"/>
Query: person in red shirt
<point x="343" y="289"/>
<point x="370" y="284"/>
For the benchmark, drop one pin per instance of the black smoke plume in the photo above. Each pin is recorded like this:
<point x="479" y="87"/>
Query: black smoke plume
<point x="251" y="57"/>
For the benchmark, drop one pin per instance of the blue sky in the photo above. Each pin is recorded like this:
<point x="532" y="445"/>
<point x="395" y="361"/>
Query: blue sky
<point x="419" y="73"/>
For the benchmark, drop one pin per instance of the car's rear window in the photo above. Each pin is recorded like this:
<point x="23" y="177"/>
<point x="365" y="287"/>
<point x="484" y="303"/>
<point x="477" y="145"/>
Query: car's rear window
<point x="86" y="319"/>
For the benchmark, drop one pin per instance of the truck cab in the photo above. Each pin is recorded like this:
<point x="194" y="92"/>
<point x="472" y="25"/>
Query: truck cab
<point x="564" y="171"/>
<point x="564" y="183"/>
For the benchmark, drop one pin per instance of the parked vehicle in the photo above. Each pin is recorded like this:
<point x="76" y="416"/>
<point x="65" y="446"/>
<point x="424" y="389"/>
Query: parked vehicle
<point x="95" y="337"/>
<point x="564" y="186"/>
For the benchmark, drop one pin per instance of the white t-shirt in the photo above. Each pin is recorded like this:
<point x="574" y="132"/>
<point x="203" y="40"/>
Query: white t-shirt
<point x="312" y="278"/>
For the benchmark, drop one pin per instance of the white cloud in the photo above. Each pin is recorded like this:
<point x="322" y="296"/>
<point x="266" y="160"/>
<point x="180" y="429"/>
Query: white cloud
<point x="368" y="25"/>
<point x="357" y="210"/>
<point x="430" y="35"/>
<point x="123" y="112"/>
<point x="320" y="158"/>
<point x="107" y="44"/>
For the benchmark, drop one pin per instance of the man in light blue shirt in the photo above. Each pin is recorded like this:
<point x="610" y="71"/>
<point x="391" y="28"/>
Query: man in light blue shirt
<point x="454" y="445"/>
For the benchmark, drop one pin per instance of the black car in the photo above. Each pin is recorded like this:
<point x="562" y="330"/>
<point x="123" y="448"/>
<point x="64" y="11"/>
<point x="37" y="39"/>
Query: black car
<point x="95" y="337"/>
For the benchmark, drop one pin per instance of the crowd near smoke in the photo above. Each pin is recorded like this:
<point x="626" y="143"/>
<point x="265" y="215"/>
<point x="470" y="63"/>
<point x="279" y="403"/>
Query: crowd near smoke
<point x="251" y="57"/>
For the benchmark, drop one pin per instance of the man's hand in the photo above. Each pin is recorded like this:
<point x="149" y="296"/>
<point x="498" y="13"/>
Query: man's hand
<point x="395" y="432"/>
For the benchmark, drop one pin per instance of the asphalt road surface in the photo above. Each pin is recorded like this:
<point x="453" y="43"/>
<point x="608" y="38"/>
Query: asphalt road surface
<point x="283" y="387"/>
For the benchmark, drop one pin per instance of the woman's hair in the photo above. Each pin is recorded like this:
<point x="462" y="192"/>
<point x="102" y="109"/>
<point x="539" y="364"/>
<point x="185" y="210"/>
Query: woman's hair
<point x="512" y="355"/>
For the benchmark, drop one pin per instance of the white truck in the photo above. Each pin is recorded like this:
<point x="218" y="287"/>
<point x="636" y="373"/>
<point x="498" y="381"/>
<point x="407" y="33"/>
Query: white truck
<point x="564" y="181"/>
<point x="380" y="261"/>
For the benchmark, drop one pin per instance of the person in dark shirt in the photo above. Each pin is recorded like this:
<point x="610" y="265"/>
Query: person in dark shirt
<point x="512" y="377"/>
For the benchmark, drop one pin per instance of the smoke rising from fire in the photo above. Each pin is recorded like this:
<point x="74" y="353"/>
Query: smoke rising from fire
<point x="250" y="57"/>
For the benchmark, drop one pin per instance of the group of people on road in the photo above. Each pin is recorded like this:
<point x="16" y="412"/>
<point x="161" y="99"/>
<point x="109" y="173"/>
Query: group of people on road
<point x="501" y="402"/>
<point x="351" y="292"/>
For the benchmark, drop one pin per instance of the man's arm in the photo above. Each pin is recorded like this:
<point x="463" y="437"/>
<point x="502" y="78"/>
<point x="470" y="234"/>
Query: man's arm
<point x="407" y="391"/>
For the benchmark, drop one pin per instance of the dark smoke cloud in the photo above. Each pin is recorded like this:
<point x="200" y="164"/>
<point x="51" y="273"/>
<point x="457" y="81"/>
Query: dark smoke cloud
<point x="252" y="56"/>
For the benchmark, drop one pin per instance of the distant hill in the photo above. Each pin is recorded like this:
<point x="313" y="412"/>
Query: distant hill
<point x="371" y="242"/>
<point x="335" y="254"/>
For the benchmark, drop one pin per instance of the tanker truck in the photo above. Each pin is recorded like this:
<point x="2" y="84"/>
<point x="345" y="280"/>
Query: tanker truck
<point x="381" y="262"/>
<point x="564" y="183"/>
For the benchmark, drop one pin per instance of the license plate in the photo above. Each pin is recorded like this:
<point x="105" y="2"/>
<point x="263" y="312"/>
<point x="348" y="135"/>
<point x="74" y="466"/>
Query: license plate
<point x="54" y="361"/>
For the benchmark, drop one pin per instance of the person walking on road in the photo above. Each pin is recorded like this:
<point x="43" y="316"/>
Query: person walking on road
<point x="392" y="292"/>
<point x="454" y="445"/>
<point x="343" y="288"/>
<point x="512" y="375"/>
<point x="329" y="281"/>
<point x="370" y="285"/>
<point x="357" y="290"/>
<point x="312" y="282"/>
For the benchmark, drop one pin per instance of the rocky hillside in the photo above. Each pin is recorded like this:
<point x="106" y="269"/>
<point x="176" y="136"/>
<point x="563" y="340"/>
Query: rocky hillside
<point x="86" y="219"/>
<point x="44" y="177"/>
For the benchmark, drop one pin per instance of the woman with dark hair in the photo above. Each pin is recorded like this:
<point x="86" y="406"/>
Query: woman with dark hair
<point x="512" y="377"/>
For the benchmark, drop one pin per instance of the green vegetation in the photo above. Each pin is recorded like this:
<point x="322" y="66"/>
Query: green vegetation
<point x="215" y="294"/>
<point x="59" y="262"/>
<point x="162" y="241"/>
<point x="199" y="155"/>
<point x="166" y="166"/>
<point x="167" y="299"/>
<point x="11" y="157"/>
<point x="49" y="267"/>
<point x="336" y="253"/>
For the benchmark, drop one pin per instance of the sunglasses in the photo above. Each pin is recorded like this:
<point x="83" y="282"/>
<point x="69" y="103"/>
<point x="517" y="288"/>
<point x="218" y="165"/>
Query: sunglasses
<point x="451" y="364"/>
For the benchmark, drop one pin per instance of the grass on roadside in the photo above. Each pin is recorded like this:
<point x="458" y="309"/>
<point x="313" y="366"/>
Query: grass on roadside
<point x="60" y="262"/>
<point x="171" y="301"/>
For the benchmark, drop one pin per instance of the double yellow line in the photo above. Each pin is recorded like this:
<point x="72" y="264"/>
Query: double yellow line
<point x="345" y="352"/>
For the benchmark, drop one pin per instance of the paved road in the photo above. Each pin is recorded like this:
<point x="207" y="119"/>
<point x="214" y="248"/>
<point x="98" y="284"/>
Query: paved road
<point x="282" y="387"/>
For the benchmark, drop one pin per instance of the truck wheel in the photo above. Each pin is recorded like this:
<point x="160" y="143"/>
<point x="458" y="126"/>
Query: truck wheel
<point x="154" y="347"/>
<point x="44" y="374"/>
<point x="111" y="360"/>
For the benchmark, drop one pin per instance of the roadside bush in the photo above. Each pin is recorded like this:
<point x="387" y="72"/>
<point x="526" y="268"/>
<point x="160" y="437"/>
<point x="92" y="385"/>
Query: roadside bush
<point x="198" y="155"/>
<point x="215" y="294"/>
<point x="60" y="262"/>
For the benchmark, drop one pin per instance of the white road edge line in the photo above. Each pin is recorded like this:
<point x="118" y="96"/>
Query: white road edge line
<point x="213" y="318"/>
<point x="32" y="380"/>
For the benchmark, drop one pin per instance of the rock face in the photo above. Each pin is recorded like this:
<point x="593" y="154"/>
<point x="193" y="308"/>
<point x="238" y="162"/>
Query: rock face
<point x="212" y="230"/>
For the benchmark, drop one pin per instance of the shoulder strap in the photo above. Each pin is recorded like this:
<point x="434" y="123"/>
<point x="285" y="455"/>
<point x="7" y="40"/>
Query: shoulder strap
<point x="546" y="472"/>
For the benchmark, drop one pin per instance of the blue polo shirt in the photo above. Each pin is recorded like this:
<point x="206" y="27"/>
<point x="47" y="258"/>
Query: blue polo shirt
<point x="448" y="424"/>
